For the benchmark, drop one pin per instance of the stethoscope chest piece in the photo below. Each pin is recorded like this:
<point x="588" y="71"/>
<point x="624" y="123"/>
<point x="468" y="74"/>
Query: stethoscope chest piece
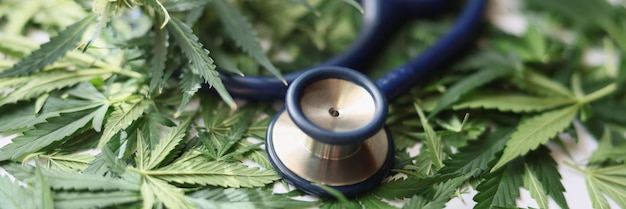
<point x="331" y="133"/>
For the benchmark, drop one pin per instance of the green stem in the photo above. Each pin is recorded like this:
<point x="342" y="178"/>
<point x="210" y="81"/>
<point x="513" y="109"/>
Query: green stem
<point x="575" y="167"/>
<point x="599" y="93"/>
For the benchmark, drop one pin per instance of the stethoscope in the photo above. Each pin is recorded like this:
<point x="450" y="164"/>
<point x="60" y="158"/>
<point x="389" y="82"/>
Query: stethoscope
<point x="331" y="131"/>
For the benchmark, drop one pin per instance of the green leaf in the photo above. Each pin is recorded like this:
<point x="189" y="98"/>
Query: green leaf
<point x="121" y="117"/>
<point x="242" y="32"/>
<point x="537" y="192"/>
<point x="171" y="139"/>
<point x="598" y="200"/>
<point x="43" y="194"/>
<point x="45" y="134"/>
<point x="608" y="180"/>
<point x="244" y="199"/>
<point x="370" y="201"/>
<point x="68" y="162"/>
<point x="171" y="196"/>
<point x="466" y="85"/>
<point x="434" y="145"/>
<point x="190" y="83"/>
<point x="512" y="102"/>
<point x="49" y="81"/>
<point x="217" y="173"/>
<point x="544" y="168"/>
<point x="157" y="60"/>
<point x="23" y="116"/>
<point x="607" y="149"/>
<point x="50" y="52"/>
<point x="416" y="202"/>
<point x="446" y="190"/>
<point x="69" y="180"/>
<point x="534" y="131"/>
<point x="500" y="188"/>
<point x="148" y="196"/>
<point x="198" y="56"/>
<point x="478" y="153"/>
<point x="183" y="5"/>
<point x="537" y="83"/>
<point x="14" y="196"/>
<point x="94" y="199"/>
<point x="405" y="188"/>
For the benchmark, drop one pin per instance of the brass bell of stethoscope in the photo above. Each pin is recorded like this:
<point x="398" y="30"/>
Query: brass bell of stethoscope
<point x="331" y="131"/>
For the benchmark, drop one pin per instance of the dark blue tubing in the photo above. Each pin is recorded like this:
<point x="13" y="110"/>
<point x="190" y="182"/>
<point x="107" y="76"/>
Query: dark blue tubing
<point x="381" y="19"/>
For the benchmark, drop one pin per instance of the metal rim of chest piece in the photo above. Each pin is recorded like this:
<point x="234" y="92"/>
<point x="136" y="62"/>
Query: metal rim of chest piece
<point x="331" y="133"/>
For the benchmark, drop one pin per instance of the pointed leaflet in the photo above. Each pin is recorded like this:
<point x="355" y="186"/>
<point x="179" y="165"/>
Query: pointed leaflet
<point x="43" y="195"/>
<point x="170" y="196"/>
<point x="534" y="131"/>
<point x="50" y="52"/>
<point x="434" y="145"/>
<point x="478" y="153"/>
<point x="446" y="190"/>
<point x="500" y="189"/>
<point x="70" y="180"/>
<point x="157" y="61"/>
<point x="416" y="202"/>
<point x="466" y="85"/>
<point x="242" y="32"/>
<point x="245" y="199"/>
<point x="68" y="162"/>
<point x="147" y="196"/>
<point x="94" y="199"/>
<point x="598" y="200"/>
<point x="189" y="84"/>
<point x="198" y="56"/>
<point x="532" y="184"/>
<point x="121" y="117"/>
<point x="45" y="134"/>
<point x="405" y="188"/>
<point x="14" y="196"/>
<point x="512" y="102"/>
<point x="49" y="81"/>
<point x="171" y="139"/>
<point x="370" y="201"/>
<point x="543" y="166"/>
<point x="23" y="116"/>
<point x="608" y="180"/>
<point x="217" y="173"/>
<point x="537" y="83"/>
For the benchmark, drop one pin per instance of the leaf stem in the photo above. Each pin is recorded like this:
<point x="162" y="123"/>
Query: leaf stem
<point x="599" y="93"/>
<point x="571" y="165"/>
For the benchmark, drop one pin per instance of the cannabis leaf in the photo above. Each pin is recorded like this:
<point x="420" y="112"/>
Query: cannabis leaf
<point x="609" y="180"/>
<point x="241" y="31"/>
<point x="478" y="153"/>
<point x="68" y="162"/>
<point x="189" y="83"/>
<point x="23" y="115"/>
<point x="538" y="83"/>
<point x="198" y="56"/>
<point x="14" y="196"/>
<point x="94" y="199"/>
<point x="171" y="139"/>
<point x="534" y="131"/>
<point x="216" y="173"/>
<point x="54" y="130"/>
<point x="512" y="102"/>
<point x="43" y="194"/>
<point x="500" y="188"/>
<point x="46" y="82"/>
<point x="370" y="201"/>
<point x="541" y="165"/>
<point x="121" y="117"/>
<point x="171" y="196"/>
<point x="405" y="188"/>
<point x="531" y="182"/>
<point x="157" y="61"/>
<point x="51" y="51"/>
<point x="244" y="199"/>
<point x="434" y="145"/>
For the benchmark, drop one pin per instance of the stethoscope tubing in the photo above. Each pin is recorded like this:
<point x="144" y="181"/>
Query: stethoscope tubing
<point x="378" y="25"/>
